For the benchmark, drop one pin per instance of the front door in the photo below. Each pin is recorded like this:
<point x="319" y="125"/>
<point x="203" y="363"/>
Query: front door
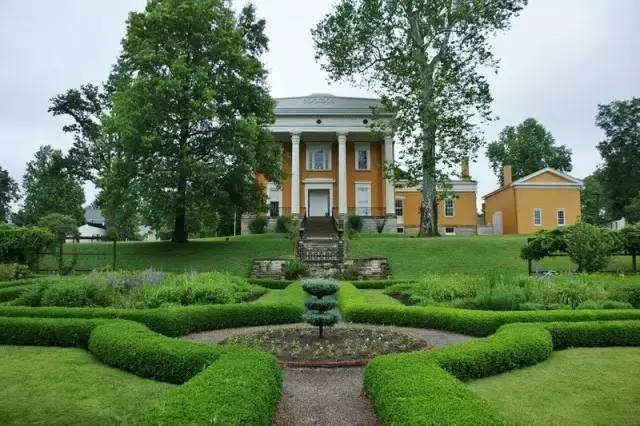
<point x="318" y="202"/>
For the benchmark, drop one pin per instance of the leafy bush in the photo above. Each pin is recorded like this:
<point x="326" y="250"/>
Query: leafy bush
<point x="287" y="225"/>
<point x="13" y="271"/>
<point x="630" y="236"/>
<point x="590" y="247"/>
<point x="545" y="243"/>
<point x="258" y="225"/>
<point x="604" y="304"/>
<point x="60" y="225"/>
<point x="499" y="298"/>
<point x="144" y="290"/>
<point x="269" y="283"/>
<point x="24" y="245"/>
<point x="354" y="223"/>
<point x="295" y="269"/>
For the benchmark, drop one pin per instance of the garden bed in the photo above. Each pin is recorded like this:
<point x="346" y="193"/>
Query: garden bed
<point x="341" y="346"/>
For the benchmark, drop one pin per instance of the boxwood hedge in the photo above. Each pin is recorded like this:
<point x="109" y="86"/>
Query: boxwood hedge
<point x="425" y="388"/>
<point x="224" y="385"/>
<point x="472" y="322"/>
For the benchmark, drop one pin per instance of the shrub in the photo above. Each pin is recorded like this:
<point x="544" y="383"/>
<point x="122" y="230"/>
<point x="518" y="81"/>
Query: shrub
<point x="589" y="247"/>
<point x="13" y="271"/>
<point x="24" y="244"/>
<point x="354" y="223"/>
<point x="499" y="298"/>
<point x="287" y="225"/>
<point x="258" y="225"/>
<point x="545" y="243"/>
<point x="60" y="225"/>
<point x="295" y="269"/>
<point x="46" y="331"/>
<point x="133" y="347"/>
<point x="604" y="304"/>
<point x="319" y="307"/>
<point x="269" y="283"/>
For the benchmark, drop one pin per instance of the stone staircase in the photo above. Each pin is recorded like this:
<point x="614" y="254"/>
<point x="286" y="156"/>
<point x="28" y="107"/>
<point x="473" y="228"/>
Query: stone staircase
<point x="320" y="248"/>
<point x="319" y="228"/>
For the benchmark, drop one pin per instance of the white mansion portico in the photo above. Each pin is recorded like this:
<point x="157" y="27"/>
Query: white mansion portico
<point x="312" y="129"/>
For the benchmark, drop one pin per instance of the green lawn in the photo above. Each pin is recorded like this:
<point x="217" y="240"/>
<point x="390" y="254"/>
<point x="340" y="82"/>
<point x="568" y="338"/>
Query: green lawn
<point x="415" y="257"/>
<point x="575" y="386"/>
<point x="68" y="386"/>
<point x="377" y="297"/>
<point x="215" y="254"/>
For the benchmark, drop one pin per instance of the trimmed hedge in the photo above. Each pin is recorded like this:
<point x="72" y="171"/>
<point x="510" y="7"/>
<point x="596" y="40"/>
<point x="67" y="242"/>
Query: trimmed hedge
<point x="133" y="347"/>
<point x="472" y="322"/>
<point x="378" y="284"/>
<point x="424" y="388"/>
<point x="224" y="385"/>
<point x="242" y="387"/>
<point x="13" y="292"/>
<point x="270" y="284"/>
<point x="175" y="321"/>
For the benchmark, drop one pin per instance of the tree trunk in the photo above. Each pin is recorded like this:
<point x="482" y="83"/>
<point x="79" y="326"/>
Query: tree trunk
<point x="428" y="210"/>
<point x="180" y="223"/>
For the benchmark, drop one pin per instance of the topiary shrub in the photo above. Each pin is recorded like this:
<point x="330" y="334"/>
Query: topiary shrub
<point x="354" y="222"/>
<point x="295" y="269"/>
<point x="590" y="247"/>
<point x="258" y="225"/>
<point x="318" y="308"/>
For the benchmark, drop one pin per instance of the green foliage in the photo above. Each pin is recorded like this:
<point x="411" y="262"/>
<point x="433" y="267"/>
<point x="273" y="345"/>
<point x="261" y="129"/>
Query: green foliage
<point x="8" y="193"/>
<point x="630" y="236"/>
<point x="50" y="186"/>
<point x="13" y="271"/>
<point x="527" y="148"/>
<point x="408" y="388"/>
<point x="620" y="151"/>
<point x="258" y="225"/>
<point x="242" y="387"/>
<point x="354" y="223"/>
<point x="632" y="210"/>
<point x="133" y="347"/>
<point x="320" y="310"/>
<point x="590" y="247"/>
<point x="424" y="61"/>
<point x="354" y="307"/>
<point x="596" y="205"/>
<point x="287" y="224"/>
<point x="46" y="331"/>
<point x="295" y="269"/>
<point x="144" y="290"/>
<point x="320" y="287"/>
<point x="544" y="244"/>
<point x="271" y="284"/>
<point x="62" y="226"/>
<point x="24" y="244"/>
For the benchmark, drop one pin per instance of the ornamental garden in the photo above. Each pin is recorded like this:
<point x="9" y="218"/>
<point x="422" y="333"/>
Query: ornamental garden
<point x="160" y="346"/>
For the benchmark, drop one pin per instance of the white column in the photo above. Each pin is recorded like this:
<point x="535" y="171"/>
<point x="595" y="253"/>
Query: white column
<point x="342" y="173"/>
<point x="390" y="201"/>
<point x="295" y="174"/>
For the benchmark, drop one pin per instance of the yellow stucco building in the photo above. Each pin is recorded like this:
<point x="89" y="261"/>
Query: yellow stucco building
<point x="546" y="199"/>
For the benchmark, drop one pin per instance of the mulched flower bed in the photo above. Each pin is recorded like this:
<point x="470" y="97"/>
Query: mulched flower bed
<point x="341" y="346"/>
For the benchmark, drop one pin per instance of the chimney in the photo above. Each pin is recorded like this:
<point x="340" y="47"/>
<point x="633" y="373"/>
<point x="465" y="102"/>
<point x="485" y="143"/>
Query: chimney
<point x="464" y="170"/>
<point x="506" y="175"/>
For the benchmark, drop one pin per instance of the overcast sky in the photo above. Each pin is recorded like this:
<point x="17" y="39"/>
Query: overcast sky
<point x="559" y="60"/>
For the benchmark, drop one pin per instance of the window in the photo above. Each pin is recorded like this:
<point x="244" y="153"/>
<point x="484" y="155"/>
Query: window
<point x="561" y="217"/>
<point x="399" y="207"/>
<point x="318" y="157"/>
<point x="274" y="208"/>
<point x="448" y="207"/>
<point x="537" y="217"/>
<point x="362" y="157"/>
<point x="363" y="199"/>
<point x="400" y="230"/>
<point x="450" y="231"/>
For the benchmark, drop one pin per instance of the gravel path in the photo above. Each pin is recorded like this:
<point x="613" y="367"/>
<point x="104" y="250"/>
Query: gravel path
<point x="327" y="396"/>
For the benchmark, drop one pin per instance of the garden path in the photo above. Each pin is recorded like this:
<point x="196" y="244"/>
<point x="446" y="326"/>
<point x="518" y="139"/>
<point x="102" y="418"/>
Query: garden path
<point x="327" y="396"/>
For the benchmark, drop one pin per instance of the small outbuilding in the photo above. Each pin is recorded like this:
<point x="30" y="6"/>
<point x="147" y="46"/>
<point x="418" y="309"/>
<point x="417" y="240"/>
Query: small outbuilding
<point x="546" y="199"/>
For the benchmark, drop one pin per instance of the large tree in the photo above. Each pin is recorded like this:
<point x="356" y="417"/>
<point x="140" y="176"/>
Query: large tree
<point x="528" y="148"/>
<point x="596" y="206"/>
<point x="621" y="153"/>
<point x="8" y="194"/>
<point x="50" y="187"/>
<point x="423" y="57"/>
<point x="185" y="111"/>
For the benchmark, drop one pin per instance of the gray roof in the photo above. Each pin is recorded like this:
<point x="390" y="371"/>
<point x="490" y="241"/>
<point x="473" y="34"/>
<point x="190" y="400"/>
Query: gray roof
<point x="93" y="215"/>
<point x="325" y="104"/>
